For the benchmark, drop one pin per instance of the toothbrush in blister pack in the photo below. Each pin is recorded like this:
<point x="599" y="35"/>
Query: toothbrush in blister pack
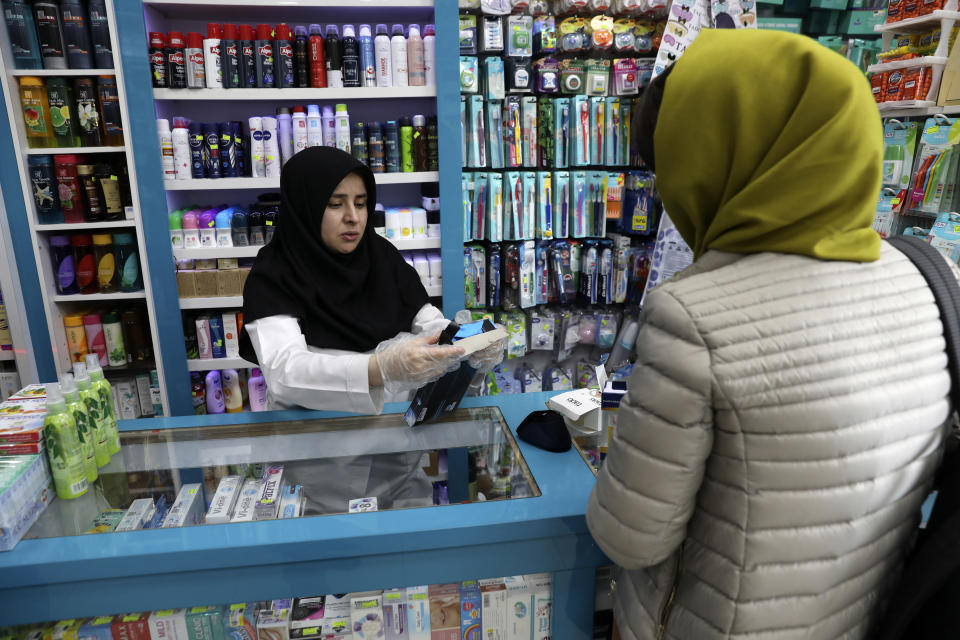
<point x="531" y="147"/>
<point x="933" y="182"/>
<point x="510" y="283"/>
<point x="529" y="217"/>
<point x="493" y="277"/>
<point x="495" y="134"/>
<point x="528" y="274"/>
<point x="477" y="151"/>
<point x="512" y="204"/>
<point x="605" y="272"/>
<point x="494" y="207"/>
<point x="562" y="274"/>
<point x="588" y="273"/>
<point x="466" y="191"/>
<point x="542" y="265"/>
<point x="474" y="282"/>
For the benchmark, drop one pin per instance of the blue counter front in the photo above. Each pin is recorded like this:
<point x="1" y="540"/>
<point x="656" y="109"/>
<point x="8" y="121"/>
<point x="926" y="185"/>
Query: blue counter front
<point x="87" y="575"/>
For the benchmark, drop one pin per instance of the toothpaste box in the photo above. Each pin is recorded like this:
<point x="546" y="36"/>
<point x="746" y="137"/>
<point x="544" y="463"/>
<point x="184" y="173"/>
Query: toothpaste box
<point x="205" y="623"/>
<point x="541" y="598"/>
<point x="133" y="626"/>
<point x="169" y="624"/>
<point x="306" y="617"/>
<point x="336" y="618"/>
<point x="63" y="630"/>
<point x="224" y="500"/>
<point x="418" y="612"/>
<point x="106" y="521"/>
<point x="444" y="611"/>
<point x="291" y="499"/>
<point x="282" y="603"/>
<point x="273" y="624"/>
<point x="494" y="608"/>
<point x="159" y="514"/>
<point x="268" y="502"/>
<point x="239" y="622"/>
<point x="395" y="614"/>
<point x="366" y="615"/>
<point x="187" y="509"/>
<point x="96" y="629"/>
<point x="247" y="502"/>
<point x="519" y="614"/>
<point x="138" y="515"/>
<point x="470" y="611"/>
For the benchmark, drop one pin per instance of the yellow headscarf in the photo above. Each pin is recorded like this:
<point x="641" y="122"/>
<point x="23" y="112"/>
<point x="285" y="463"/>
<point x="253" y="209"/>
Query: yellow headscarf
<point x="768" y="141"/>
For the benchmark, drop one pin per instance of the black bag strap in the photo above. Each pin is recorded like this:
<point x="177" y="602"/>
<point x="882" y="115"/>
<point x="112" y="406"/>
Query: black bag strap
<point x="946" y="291"/>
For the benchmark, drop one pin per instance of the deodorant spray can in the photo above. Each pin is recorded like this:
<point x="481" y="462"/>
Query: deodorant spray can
<point x="195" y="137"/>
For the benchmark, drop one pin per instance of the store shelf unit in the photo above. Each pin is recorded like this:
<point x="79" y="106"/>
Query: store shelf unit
<point x="90" y="227"/>
<point x="202" y="253"/>
<point x="54" y="306"/>
<point x="209" y="364"/>
<point x="276" y="95"/>
<point x="231" y="184"/>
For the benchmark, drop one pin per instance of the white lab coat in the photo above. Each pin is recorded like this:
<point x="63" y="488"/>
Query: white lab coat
<point x="299" y="375"/>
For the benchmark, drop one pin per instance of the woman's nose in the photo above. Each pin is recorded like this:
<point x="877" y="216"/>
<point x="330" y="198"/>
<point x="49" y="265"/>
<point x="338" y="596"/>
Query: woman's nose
<point x="351" y="214"/>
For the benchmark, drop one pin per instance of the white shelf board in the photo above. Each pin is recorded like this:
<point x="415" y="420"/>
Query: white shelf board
<point x="920" y="23"/>
<point x="350" y="93"/>
<point x="220" y="302"/>
<point x="434" y="291"/>
<point x="57" y="73"/>
<point x="101" y="297"/>
<point x="334" y="4"/>
<point x="86" y="226"/>
<point x="218" y="363"/>
<point x="887" y="109"/>
<point x="416" y="243"/>
<point x="925" y="61"/>
<point x="71" y="150"/>
<point x="208" y="184"/>
<point x="216" y="252"/>
<point x="7" y="355"/>
<point x="918" y="112"/>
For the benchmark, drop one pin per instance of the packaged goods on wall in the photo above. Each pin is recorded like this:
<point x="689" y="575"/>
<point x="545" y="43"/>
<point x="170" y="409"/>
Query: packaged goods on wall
<point x="250" y="225"/>
<point x="95" y="263"/>
<point x="79" y="188"/>
<point x="65" y="35"/>
<point x="267" y="56"/>
<point x="118" y="337"/>
<point x="71" y="112"/>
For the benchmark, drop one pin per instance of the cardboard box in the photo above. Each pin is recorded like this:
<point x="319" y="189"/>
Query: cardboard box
<point x="96" y="629"/>
<point x="132" y="626"/>
<point x="395" y="614"/>
<point x="445" y="612"/>
<point x="519" y="614"/>
<point x="306" y="617"/>
<point x="541" y="585"/>
<point x="239" y="621"/>
<point x="170" y="624"/>
<point x="268" y="502"/>
<point x="336" y="618"/>
<point x="228" y="282"/>
<point x="63" y="630"/>
<point x="247" y="502"/>
<point x="187" y="510"/>
<point x="227" y="263"/>
<point x="187" y="284"/>
<point x="494" y="608"/>
<point x="366" y="616"/>
<point x="244" y="274"/>
<point x="205" y="623"/>
<point x="861" y="22"/>
<point x="418" y="613"/>
<point x="207" y="283"/>
<point x="224" y="500"/>
<point x="273" y="625"/>
<point x="470" y="611"/>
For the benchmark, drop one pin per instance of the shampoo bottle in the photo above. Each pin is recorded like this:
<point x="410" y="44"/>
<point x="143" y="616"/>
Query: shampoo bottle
<point x="258" y="391"/>
<point x="328" y="123"/>
<point x="314" y="126"/>
<point x="63" y="447"/>
<point x="232" y="396"/>
<point x="211" y="57"/>
<point x="105" y="392"/>
<point x="101" y="447"/>
<point x="214" y="393"/>
<point x="81" y="418"/>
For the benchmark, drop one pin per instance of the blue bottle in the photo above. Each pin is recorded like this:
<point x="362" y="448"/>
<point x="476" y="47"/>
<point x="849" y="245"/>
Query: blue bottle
<point x="217" y="342"/>
<point x="197" y="164"/>
<point x="228" y="151"/>
<point x="100" y="34"/>
<point x="368" y="64"/>
<point x="44" y="186"/>
<point x="391" y="145"/>
<point x="211" y="150"/>
<point x="23" y="35"/>
<point x="76" y="34"/>
<point x="239" y="145"/>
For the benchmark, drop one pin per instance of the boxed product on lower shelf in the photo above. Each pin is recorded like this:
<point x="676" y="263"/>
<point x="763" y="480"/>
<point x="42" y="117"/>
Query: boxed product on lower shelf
<point x="26" y="489"/>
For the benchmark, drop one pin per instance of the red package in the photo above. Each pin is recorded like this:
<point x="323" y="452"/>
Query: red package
<point x="133" y="626"/>
<point x="911" y="84"/>
<point x="895" y="11"/>
<point x="894" y="88"/>
<point x="929" y="6"/>
<point x="926" y="79"/>
<point x="909" y="9"/>
<point x="878" y="85"/>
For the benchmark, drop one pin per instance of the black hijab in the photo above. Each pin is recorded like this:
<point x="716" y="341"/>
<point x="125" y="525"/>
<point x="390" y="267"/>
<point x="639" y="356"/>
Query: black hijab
<point x="349" y="301"/>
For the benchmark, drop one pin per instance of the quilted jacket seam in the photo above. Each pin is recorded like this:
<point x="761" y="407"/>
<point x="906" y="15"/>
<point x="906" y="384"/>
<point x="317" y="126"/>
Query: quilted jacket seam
<point x="832" y="397"/>
<point x="837" y="429"/>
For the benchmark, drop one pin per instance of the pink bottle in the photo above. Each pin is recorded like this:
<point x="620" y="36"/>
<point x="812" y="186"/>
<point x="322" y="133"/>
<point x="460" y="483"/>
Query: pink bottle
<point x="94" y="330"/>
<point x="191" y="230"/>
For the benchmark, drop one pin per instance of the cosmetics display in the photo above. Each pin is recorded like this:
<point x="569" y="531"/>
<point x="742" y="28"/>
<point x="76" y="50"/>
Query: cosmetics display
<point x="118" y="337"/>
<point x="69" y="34"/>
<point x="210" y="336"/>
<point x="234" y="56"/>
<point x="71" y="112"/>
<point x="251" y="225"/>
<point x="95" y="263"/>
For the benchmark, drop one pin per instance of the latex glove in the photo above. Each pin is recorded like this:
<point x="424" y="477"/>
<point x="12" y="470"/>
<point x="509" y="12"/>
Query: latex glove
<point x="488" y="357"/>
<point x="411" y="362"/>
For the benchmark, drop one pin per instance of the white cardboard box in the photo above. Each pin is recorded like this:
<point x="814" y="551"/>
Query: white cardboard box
<point x="224" y="500"/>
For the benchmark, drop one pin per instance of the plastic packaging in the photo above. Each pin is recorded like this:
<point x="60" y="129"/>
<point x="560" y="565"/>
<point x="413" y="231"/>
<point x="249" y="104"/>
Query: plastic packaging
<point x="104" y="392"/>
<point x="100" y="34"/>
<point x="85" y="93"/>
<point x="204" y="345"/>
<point x="64" y="272"/>
<point x="76" y="34"/>
<point x="258" y="391"/>
<point x="95" y="339"/>
<point x="138" y="345"/>
<point x="90" y="398"/>
<point x="107" y="277"/>
<point x="63" y="447"/>
<point x="68" y="188"/>
<point x="81" y="417"/>
<point x="128" y="262"/>
<point x="232" y="396"/>
<point x="92" y="197"/>
<point x="76" y="336"/>
<point x="113" y="340"/>
<point x="111" y="193"/>
<point x="410" y="363"/>
<point x="44" y="187"/>
<point x="110" y="111"/>
<point x="22" y="34"/>
<point x="62" y="114"/>
<point x="46" y="16"/>
<point x="36" y="113"/>
<point x="398" y="57"/>
<point x="214" y="393"/>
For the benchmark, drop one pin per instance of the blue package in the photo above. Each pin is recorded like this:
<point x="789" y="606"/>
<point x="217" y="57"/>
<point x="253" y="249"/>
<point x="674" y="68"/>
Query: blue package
<point x="217" y="341"/>
<point x="159" y="514"/>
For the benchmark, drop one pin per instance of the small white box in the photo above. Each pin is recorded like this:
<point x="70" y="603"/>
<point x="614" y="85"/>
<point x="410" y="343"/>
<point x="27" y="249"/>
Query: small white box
<point x="224" y="500"/>
<point x="366" y="615"/>
<point x="291" y="502"/>
<point x="494" y="609"/>
<point x="247" y="501"/>
<point x="187" y="510"/>
<point x="519" y="625"/>
<point x="128" y="402"/>
<point x="170" y="624"/>
<point x="268" y="502"/>
<point x="231" y="337"/>
<point x="273" y="625"/>
<point x="140" y="512"/>
<point x="395" y="614"/>
<point x="362" y="505"/>
<point x="541" y="585"/>
<point x="143" y="394"/>
<point x="418" y="613"/>
<point x="336" y="617"/>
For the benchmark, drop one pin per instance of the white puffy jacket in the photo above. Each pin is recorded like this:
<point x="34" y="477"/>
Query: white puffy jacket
<point x="779" y="435"/>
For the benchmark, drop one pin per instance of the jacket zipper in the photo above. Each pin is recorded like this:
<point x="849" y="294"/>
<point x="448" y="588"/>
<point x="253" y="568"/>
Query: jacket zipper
<point x="668" y="606"/>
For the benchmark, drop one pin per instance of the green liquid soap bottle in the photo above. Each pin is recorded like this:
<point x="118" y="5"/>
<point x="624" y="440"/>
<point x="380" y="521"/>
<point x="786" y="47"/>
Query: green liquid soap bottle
<point x="81" y="417"/>
<point x="100" y="447"/>
<point x="63" y="447"/>
<point x="406" y="145"/>
<point x="105" y="396"/>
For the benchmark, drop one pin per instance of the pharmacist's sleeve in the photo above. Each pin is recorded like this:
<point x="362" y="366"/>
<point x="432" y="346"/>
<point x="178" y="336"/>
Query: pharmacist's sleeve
<point x="646" y="490"/>
<point x="429" y="321"/>
<point x="297" y="376"/>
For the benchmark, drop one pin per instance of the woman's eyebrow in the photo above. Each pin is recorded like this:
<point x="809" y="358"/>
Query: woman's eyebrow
<point x="347" y="195"/>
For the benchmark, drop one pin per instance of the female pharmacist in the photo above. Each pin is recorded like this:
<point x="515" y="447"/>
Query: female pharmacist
<point x="789" y="404"/>
<point x="339" y="321"/>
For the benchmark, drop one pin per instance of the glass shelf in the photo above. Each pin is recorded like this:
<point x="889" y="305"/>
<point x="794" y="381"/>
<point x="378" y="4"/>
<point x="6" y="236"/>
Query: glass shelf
<point x="469" y="453"/>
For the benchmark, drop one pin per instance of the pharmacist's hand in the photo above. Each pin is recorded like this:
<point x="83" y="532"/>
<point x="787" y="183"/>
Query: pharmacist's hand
<point x="410" y="363"/>
<point x="487" y="358"/>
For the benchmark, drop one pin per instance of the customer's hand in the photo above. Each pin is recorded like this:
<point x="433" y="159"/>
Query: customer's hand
<point x="411" y="362"/>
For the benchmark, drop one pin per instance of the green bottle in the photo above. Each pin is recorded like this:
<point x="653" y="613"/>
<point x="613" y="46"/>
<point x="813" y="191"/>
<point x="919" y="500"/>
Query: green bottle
<point x="62" y="115"/>
<point x="406" y="145"/>
<point x="63" y="447"/>
<point x="892" y="165"/>
<point x="105" y="395"/>
<point x="90" y="398"/>
<point x="81" y="417"/>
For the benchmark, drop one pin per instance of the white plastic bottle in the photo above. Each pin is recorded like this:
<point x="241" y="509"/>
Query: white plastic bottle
<point x="299" y="131"/>
<point x="343" y="128"/>
<point x="430" y="55"/>
<point x="285" y="133"/>
<point x="314" y="126"/>
<point x="381" y="56"/>
<point x="180" y="138"/>
<point x="211" y="57"/>
<point x="329" y="125"/>
<point x="166" y="149"/>
<point x="415" y="64"/>
<point x="258" y="391"/>
<point x="257" y="167"/>
<point x="232" y="396"/>
<point x="271" y="151"/>
<point x="398" y="56"/>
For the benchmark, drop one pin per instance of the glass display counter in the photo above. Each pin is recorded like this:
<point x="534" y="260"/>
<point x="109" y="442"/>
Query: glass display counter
<point x="456" y="500"/>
